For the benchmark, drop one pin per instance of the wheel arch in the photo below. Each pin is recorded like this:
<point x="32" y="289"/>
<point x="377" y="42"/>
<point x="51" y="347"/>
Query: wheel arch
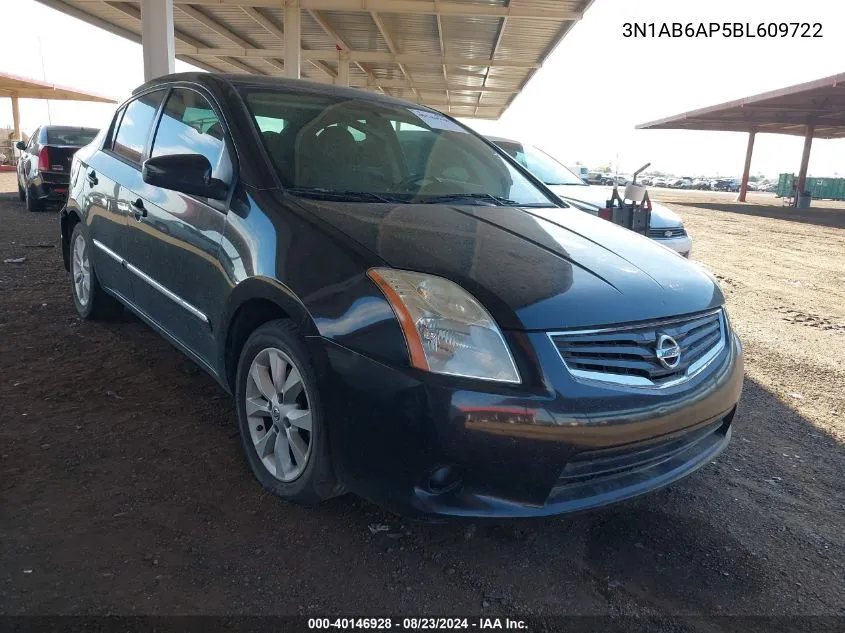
<point x="251" y="304"/>
<point x="68" y="219"/>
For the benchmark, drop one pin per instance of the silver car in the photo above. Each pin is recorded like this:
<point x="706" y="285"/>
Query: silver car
<point x="666" y="226"/>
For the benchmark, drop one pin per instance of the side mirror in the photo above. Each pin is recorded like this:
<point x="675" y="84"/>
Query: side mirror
<point x="187" y="173"/>
<point x="20" y="145"/>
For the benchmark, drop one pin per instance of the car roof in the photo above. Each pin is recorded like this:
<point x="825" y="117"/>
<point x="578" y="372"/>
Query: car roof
<point x="212" y="80"/>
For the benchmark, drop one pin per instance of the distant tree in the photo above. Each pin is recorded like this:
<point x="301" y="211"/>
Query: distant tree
<point x="605" y="169"/>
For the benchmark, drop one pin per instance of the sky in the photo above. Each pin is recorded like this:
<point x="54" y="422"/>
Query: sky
<point x="582" y="106"/>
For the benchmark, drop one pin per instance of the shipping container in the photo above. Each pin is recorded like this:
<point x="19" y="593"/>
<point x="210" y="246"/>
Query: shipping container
<point x="785" y="185"/>
<point x="819" y="188"/>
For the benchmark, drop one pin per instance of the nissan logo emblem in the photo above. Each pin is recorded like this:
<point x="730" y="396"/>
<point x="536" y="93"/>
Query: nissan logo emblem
<point x="667" y="351"/>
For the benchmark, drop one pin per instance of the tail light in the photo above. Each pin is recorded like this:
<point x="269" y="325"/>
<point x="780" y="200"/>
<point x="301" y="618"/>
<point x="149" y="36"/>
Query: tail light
<point x="43" y="160"/>
<point x="606" y="214"/>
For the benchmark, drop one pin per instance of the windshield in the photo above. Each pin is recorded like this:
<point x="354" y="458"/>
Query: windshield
<point x="334" y="148"/>
<point x="543" y="166"/>
<point x="78" y="136"/>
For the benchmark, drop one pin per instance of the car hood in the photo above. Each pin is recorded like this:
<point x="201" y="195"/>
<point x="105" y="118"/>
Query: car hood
<point x="661" y="217"/>
<point x="534" y="269"/>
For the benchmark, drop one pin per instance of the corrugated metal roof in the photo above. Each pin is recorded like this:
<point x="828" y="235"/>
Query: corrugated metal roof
<point x="791" y="110"/>
<point x="466" y="57"/>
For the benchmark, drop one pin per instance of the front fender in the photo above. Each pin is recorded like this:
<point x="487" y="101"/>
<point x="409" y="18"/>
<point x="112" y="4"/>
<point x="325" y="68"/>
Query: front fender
<point x="264" y="299"/>
<point x="354" y="315"/>
<point x="271" y="290"/>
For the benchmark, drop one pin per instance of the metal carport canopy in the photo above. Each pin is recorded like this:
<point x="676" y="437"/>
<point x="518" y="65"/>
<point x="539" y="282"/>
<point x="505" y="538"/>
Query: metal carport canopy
<point x="469" y="58"/>
<point x="23" y="88"/>
<point x="815" y="109"/>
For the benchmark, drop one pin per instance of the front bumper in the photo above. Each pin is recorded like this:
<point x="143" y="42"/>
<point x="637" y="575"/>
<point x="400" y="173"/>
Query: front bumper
<point x="433" y="446"/>
<point x="681" y="245"/>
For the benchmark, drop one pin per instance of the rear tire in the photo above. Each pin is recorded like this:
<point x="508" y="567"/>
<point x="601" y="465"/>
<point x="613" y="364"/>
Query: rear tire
<point x="32" y="204"/>
<point x="280" y="415"/>
<point x="91" y="301"/>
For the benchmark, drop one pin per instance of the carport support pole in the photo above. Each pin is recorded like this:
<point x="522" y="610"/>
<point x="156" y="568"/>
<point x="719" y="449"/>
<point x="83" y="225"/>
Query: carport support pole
<point x="293" y="38"/>
<point x="157" y="38"/>
<point x="805" y="159"/>
<point x="343" y="69"/>
<point x="16" y="119"/>
<point x="746" y="172"/>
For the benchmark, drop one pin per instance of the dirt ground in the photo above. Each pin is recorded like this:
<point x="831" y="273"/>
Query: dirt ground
<point x="123" y="489"/>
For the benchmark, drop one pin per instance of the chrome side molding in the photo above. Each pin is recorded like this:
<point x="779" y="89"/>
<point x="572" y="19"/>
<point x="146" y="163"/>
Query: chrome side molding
<point x="142" y="275"/>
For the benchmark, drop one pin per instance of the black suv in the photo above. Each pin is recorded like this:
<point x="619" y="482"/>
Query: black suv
<point x="399" y="309"/>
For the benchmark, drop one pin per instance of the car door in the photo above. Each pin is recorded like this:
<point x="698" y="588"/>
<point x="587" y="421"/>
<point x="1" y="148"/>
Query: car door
<point x="173" y="238"/>
<point x="107" y="213"/>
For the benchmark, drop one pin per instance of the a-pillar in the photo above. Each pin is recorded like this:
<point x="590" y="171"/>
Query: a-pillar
<point x="157" y="38"/>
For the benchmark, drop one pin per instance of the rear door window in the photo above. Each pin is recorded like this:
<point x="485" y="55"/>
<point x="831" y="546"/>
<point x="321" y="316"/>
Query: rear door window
<point x="270" y="124"/>
<point x="189" y="125"/>
<point x="131" y="138"/>
<point x="113" y="128"/>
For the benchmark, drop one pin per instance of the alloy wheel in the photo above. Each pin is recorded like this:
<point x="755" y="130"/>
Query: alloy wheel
<point x="278" y="414"/>
<point x="81" y="270"/>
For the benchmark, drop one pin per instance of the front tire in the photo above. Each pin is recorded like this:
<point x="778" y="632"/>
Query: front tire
<point x="91" y="301"/>
<point x="280" y="415"/>
<point x="21" y="192"/>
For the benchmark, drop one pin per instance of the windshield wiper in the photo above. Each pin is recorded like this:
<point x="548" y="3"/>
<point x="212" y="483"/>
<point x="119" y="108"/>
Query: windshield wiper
<point x="457" y="197"/>
<point x="346" y="196"/>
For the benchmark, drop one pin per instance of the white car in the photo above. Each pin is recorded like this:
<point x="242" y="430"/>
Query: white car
<point x="666" y="226"/>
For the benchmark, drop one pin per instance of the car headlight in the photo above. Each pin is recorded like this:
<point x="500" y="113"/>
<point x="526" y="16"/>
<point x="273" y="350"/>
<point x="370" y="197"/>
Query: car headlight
<point x="447" y="330"/>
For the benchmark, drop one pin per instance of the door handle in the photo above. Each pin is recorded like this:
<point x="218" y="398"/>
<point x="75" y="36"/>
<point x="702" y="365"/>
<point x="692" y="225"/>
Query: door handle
<point x="139" y="210"/>
<point x="92" y="177"/>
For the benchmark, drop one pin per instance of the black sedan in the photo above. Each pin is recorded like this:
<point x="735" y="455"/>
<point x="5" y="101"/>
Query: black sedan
<point x="44" y="163"/>
<point x="398" y="308"/>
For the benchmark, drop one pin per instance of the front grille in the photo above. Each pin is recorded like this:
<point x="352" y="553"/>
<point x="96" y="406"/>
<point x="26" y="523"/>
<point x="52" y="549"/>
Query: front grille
<point x="666" y="234"/>
<point x="628" y="355"/>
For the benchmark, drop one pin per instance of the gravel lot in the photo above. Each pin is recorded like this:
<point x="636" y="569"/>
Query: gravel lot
<point x="123" y="489"/>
